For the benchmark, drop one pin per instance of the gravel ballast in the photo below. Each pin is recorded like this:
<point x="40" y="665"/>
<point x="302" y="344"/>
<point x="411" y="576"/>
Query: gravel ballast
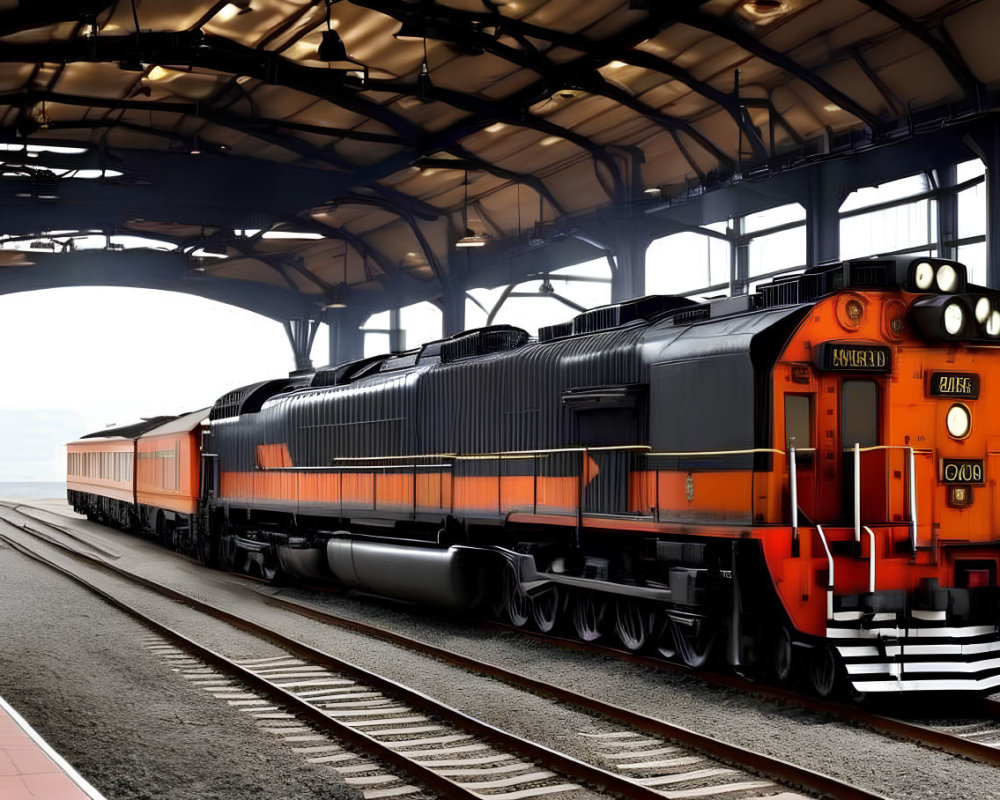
<point x="894" y="768"/>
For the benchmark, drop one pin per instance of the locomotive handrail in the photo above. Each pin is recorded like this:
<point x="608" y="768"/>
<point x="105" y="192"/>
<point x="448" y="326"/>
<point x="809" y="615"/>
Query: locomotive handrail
<point x="871" y="560"/>
<point x="829" y="580"/>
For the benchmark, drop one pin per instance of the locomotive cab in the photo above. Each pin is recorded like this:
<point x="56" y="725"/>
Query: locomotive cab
<point x="881" y="404"/>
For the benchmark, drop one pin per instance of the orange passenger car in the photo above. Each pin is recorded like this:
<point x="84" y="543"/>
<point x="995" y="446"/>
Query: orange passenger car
<point x="168" y="476"/>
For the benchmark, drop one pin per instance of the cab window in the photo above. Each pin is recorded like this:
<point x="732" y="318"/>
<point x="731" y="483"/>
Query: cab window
<point x="798" y="421"/>
<point x="859" y="413"/>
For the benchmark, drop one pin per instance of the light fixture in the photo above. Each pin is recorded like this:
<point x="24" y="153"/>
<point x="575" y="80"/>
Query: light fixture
<point x="958" y="421"/>
<point x="546" y="286"/>
<point x="983" y="309"/>
<point x="923" y="275"/>
<point x="993" y="324"/>
<point x="471" y="238"/>
<point x="954" y="319"/>
<point x="947" y="278"/>
<point x="424" y="85"/>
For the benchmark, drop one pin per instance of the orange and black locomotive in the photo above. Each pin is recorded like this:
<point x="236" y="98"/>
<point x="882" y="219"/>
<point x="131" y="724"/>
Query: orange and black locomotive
<point x="803" y="478"/>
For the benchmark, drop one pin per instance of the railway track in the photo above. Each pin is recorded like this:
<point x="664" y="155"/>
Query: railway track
<point x="633" y="756"/>
<point x="975" y="736"/>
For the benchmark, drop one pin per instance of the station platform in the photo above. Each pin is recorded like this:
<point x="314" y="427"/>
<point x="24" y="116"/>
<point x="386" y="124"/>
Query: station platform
<point x="30" y="769"/>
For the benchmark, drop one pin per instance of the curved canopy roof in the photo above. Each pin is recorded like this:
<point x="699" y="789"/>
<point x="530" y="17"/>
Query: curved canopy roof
<point x="301" y="154"/>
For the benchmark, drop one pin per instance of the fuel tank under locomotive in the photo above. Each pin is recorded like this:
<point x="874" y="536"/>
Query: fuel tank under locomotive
<point x="421" y="573"/>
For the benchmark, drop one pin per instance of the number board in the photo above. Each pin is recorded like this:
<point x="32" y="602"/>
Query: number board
<point x="838" y="357"/>
<point x="954" y="384"/>
<point x="962" y="470"/>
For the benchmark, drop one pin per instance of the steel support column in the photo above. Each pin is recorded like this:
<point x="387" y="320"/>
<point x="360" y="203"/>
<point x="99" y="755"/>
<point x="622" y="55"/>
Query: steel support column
<point x="628" y="264"/>
<point x="739" y="260"/>
<point x="989" y="147"/>
<point x="347" y="340"/>
<point x="947" y="220"/>
<point x="396" y="337"/>
<point x="452" y="310"/>
<point x="301" y="333"/>
<point x="823" y="198"/>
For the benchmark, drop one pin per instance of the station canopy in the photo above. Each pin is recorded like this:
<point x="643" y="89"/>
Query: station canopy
<point x="299" y="155"/>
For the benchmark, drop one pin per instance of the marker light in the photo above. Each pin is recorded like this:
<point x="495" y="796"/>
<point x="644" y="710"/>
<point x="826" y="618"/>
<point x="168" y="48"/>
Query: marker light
<point x="983" y="309"/>
<point x="954" y="318"/>
<point x="923" y="275"/>
<point x="947" y="278"/>
<point x="959" y="421"/>
<point x="993" y="324"/>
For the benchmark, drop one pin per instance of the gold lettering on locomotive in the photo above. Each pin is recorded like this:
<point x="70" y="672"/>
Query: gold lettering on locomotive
<point x="954" y="384"/>
<point x="860" y="357"/>
<point x="962" y="471"/>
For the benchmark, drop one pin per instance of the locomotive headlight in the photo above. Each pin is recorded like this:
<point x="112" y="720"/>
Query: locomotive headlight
<point x="983" y="308"/>
<point x="993" y="324"/>
<point x="959" y="421"/>
<point x="947" y="278"/>
<point x="954" y="319"/>
<point x="923" y="275"/>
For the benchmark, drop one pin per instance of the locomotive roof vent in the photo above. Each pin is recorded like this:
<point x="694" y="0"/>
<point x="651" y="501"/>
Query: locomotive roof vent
<point x="477" y="342"/>
<point x="557" y="331"/>
<point x="345" y="373"/>
<point x="250" y="399"/>
<point x="605" y="318"/>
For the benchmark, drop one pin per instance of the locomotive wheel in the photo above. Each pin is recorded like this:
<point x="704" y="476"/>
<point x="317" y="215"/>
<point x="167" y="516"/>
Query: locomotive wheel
<point x="633" y="623"/>
<point x="589" y="611"/>
<point x="693" y="643"/>
<point x="783" y="662"/>
<point x="517" y="606"/>
<point x="823" y="670"/>
<point x="545" y="608"/>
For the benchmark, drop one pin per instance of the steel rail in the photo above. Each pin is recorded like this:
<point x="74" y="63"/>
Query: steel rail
<point x="554" y="760"/>
<point x="899" y="728"/>
<point x="759" y="763"/>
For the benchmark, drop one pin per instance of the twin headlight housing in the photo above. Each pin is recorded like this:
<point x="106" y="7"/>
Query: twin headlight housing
<point x="952" y="315"/>
<point x="958" y="317"/>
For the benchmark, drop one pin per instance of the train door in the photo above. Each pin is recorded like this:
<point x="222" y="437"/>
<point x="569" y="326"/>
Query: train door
<point x="859" y="424"/>
<point x="826" y="424"/>
<point x="800" y="433"/>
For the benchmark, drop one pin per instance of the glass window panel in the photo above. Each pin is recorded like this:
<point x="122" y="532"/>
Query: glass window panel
<point x="859" y="414"/>
<point x="798" y="420"/>
<point x="421" y="323"/>
<point x="972" y="211"/>
<point x="970" y="169"/>
<point x="974" y="258"/>
<point x="378" y="321"/>
<point x="776" y="251"/>
<point x="773" y="217"/>
<point x="685" y="262"/>
<point x="376" y="344"/>
<point x="886" y="192"/>
<point x="888" y="230"/>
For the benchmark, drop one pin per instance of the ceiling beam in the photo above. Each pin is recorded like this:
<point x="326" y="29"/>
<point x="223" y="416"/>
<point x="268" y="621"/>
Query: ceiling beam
<point x="147" y="269"/>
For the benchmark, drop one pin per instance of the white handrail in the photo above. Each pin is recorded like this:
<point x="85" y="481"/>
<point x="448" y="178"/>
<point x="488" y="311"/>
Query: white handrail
<point x="913" y="501"/>
<point x="793" y="479"/>
<point x="857" y="492"/>
<point x="871" y="560"/>
<point x="829" y="581"/>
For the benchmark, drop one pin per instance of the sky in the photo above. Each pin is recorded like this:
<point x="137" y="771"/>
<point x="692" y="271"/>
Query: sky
<point x="74" y="361"/>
